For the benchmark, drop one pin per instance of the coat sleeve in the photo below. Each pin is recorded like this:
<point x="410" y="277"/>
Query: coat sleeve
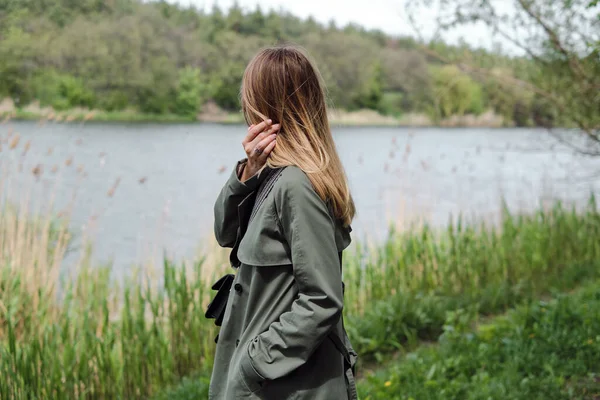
<point x="225" y="209"/>
<point x="310" y="232"/>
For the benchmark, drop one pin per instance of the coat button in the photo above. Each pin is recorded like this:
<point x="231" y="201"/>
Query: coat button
<point x="238" y="288"/>
<point x="237" y="342"/>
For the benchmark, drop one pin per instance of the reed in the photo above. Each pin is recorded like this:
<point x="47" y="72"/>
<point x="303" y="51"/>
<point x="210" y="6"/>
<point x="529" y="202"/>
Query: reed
<point x="79" y="333"/>
<point x="103" y="340"/>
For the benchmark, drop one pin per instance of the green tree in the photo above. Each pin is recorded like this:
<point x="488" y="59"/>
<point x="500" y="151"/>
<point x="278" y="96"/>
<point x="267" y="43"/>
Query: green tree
<point x="189" y="92"/>
<point x="118" y="54"/>
<point x="406" y="73"/>
<point x="371" y="93"/>
<point x="225" y="86"/>
<point x="511" y="102"/>
<point x="61" y="91"/>
<point x="346" y="62"/>
<point x="455" y="92"/>
<point x="560" y="41"/>
<point x="17" y="55"/>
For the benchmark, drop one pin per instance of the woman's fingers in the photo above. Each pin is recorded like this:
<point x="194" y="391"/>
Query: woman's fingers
<point x="260" y="137"/>
<point x="258" y="144"/>
<point x="257" y="151"/>
<point x="269" y="148"/>
<point x="251" y="146"/>
<point x="262" y="145"/>
<point x="254" y="130"/>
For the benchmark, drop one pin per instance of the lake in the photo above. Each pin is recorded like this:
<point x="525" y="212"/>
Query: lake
<point x="136" y="190"/>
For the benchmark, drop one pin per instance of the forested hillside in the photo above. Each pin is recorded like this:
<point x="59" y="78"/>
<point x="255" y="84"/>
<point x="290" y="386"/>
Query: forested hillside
<point x="158" y="58"/>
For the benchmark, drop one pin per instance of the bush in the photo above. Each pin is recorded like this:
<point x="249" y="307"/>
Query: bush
<point x="189" y="92"/>
<point x="155" y="94"/>
<point x="61" y="91"/>
<point x="510" y="101"/>
<point x="391" y="103"/>
<point x="113" y="100"/>
<point x="371" y="92"/>
<point x="477" y="105"/>
<point x="455" y="93"/>
<point x="225" y="87"/>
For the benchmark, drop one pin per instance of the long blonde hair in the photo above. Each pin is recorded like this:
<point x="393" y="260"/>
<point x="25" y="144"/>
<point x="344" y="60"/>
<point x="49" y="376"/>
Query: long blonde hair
<point x="282" y="84"/>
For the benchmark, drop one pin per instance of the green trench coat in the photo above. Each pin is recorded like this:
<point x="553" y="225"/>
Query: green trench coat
<point x="284" y="310"/>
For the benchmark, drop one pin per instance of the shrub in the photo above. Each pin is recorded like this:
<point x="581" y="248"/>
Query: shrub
<point x="61" y="91"/>
<point x="189" y="92"/>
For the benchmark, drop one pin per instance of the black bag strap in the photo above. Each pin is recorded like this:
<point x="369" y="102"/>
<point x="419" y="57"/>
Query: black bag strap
<point x="264" y="189"/>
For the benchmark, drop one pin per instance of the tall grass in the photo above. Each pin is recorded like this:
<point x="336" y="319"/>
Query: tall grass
<point x="87" y="336"/>
<point x="401" y="291"/>
<point x="106" y="341"/>
<point x="84" y="335"/>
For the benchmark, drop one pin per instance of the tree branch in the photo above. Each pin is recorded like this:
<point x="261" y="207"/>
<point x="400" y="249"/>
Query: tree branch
<point x="570" y="145"/>
<point x="590" y="132"/>
<point x="555" y="40"/>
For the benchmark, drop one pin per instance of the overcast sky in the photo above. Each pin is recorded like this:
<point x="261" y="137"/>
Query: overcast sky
<point x="387" y="15"/>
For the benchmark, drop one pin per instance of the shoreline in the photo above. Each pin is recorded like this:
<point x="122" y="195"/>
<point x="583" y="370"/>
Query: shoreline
<point x="337" y="118"/>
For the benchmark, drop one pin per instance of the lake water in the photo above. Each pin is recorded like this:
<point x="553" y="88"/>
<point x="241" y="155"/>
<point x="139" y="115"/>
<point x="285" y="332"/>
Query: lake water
<point x="137" y="190"/>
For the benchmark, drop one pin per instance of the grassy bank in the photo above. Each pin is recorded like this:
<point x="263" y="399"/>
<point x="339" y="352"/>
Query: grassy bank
<point x="546" y="350"/>
<point x="84" y="336"/>
<point x="358" y="118"/>
<point x="97" y="116"/>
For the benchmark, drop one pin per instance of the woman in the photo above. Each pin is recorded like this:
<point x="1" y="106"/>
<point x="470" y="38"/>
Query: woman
<point x="286" y="212"/>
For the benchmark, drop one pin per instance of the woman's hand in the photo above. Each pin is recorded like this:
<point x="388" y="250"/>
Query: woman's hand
<point x="258" y="144"/>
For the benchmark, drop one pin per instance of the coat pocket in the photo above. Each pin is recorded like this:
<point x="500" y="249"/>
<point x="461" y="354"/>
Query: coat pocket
<point x="253" y="388"/>
<point x="250" y="378"/>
